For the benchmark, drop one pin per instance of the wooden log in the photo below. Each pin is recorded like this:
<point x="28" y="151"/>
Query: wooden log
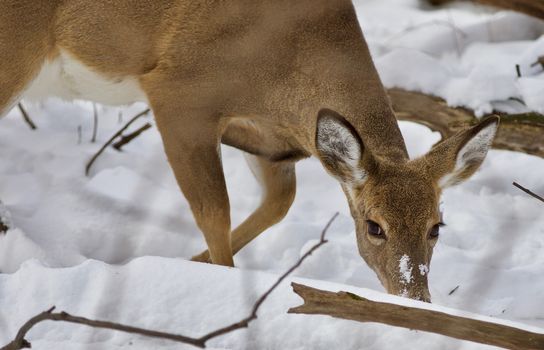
<point x="353" y="307"/>
<point x="517" y="132"/>
<point x="533" y="8"/>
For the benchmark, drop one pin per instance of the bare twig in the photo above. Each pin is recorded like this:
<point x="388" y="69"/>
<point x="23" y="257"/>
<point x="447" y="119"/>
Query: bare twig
<point x="95" y="123"/>
<point x="26" y="117"/>
<point x="21" y="343"/>
<point x="244" y="323"/>
<point x="529" y="192"/>
<point x="127" y="138"/>
<point x="518" y="71"/>
<point x="353" y="307"/>
<point x="109" y="142"/>
<point x="79" y="134"/>
<point x="453" y="290"/>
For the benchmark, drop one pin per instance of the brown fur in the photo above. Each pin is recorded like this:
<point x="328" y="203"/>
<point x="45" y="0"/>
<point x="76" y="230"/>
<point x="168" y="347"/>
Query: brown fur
<point x="253" y="74"/>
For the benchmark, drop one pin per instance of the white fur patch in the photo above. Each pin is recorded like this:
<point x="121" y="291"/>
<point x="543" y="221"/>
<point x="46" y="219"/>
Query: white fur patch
<point x="67" y="78"/>
<point x="475" y="149"/>
<point x="335" y="139"/>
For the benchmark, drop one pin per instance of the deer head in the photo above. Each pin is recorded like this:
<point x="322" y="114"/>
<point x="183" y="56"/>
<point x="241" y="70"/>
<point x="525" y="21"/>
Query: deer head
<point x="395" y="205"/>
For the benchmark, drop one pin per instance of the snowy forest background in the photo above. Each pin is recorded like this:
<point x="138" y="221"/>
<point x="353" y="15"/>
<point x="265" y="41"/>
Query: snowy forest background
<point x="114" y="245"/>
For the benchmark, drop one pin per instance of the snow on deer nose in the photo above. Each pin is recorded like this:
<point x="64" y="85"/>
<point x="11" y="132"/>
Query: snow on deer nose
<point x="408" y="278"/>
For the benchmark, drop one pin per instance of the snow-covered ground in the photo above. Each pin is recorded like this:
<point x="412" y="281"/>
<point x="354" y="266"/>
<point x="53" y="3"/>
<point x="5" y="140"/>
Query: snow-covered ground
<point x="112" y="245"/>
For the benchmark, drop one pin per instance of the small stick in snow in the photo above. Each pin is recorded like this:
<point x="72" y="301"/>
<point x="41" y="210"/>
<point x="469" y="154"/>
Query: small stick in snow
<point x="21" y="343"/>
<point x="26" y="117"/>
<point x="79" y="135"/>
<point x="110" y="141"/>
<point x="127" y="138"/>
<point x="518" y="70"/>
<point x="453" y="290"/>
<point x="95" y="123"/>
<point x="529" y="192"/>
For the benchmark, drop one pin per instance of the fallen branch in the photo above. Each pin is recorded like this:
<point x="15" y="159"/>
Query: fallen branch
<point x="517" y="132"/>
<point x="26" y="117"/>
<point x="352" y="307"/>
<point x="110" y="141"/>
<point x="21" y="343"/>
<point x="529" y="192"/>
<point x="127" y="138"/>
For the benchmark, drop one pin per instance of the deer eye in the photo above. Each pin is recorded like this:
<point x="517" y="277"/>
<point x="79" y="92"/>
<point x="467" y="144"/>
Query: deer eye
<point x="435" y="231"/>
<point x="374" y="229"/>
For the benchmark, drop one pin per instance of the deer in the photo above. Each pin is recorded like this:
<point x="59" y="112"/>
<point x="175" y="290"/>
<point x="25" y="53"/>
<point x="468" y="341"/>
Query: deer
<point x="280" y="80"/>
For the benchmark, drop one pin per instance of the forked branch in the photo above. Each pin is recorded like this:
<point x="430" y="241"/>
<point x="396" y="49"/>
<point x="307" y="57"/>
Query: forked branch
<point x="21" y="343"/>
<point x="125" y="139"/>
<point x="110" y="141"/>
<point x="353" y="307"/>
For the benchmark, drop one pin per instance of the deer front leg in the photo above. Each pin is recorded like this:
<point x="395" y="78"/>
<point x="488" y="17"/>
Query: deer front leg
<point x="278" y="183"/>
<point x="191" y="142"/>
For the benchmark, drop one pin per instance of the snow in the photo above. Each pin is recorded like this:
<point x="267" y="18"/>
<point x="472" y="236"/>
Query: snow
<point x="405" y="269"/>
<point x="463" y="54"/>
<point x="423" y="269"/>
<point x="114" y="245"/>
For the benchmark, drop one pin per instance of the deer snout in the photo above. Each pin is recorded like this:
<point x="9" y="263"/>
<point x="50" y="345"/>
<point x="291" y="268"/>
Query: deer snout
<point x="407" y="279"/>
<point x="416" y="291"/>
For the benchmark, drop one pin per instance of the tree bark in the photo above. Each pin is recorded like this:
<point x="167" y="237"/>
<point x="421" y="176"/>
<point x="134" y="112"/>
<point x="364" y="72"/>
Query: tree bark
<point x="517" y="132"/>
<point x="533" y="8"/>
<point x="352" y="307"/>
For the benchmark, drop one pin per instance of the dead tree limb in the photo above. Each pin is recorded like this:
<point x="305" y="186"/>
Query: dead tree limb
<point x="529" y="192"/>
<point x="352" y="307"/>
<point x="21" y="343"/>
<point x="127" y="138"/>
<point x="533" y="8"/>
<point x="26" y="117"/>
<point x="517" y="132"/>
<point x="110" y="141"/>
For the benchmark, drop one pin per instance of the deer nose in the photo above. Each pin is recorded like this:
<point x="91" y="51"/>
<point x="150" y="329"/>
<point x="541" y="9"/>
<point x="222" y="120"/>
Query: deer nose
<point x="424" y="296"/>
<point x="414" y="293"/>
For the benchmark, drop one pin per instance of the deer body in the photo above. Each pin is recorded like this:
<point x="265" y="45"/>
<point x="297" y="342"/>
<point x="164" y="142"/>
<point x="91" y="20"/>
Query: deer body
<point x="281" y="80"/>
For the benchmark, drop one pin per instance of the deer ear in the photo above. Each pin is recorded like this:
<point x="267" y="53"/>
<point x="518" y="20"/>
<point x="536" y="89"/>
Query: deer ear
<point x="457" y="158"/>
<point x="339" y="147"/>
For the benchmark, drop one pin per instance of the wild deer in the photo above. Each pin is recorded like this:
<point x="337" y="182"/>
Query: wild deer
<point x="280" y="80"/>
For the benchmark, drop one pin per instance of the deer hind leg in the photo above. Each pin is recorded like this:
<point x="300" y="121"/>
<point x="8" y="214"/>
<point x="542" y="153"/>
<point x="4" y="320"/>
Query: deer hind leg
<point x="24" y="46"/>
<point x="278" y="182"/>
<point x="16" y="74"/>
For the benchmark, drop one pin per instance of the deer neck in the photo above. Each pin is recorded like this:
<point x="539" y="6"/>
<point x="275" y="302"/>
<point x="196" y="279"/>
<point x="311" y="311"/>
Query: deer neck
<point x="337" y="58"/>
